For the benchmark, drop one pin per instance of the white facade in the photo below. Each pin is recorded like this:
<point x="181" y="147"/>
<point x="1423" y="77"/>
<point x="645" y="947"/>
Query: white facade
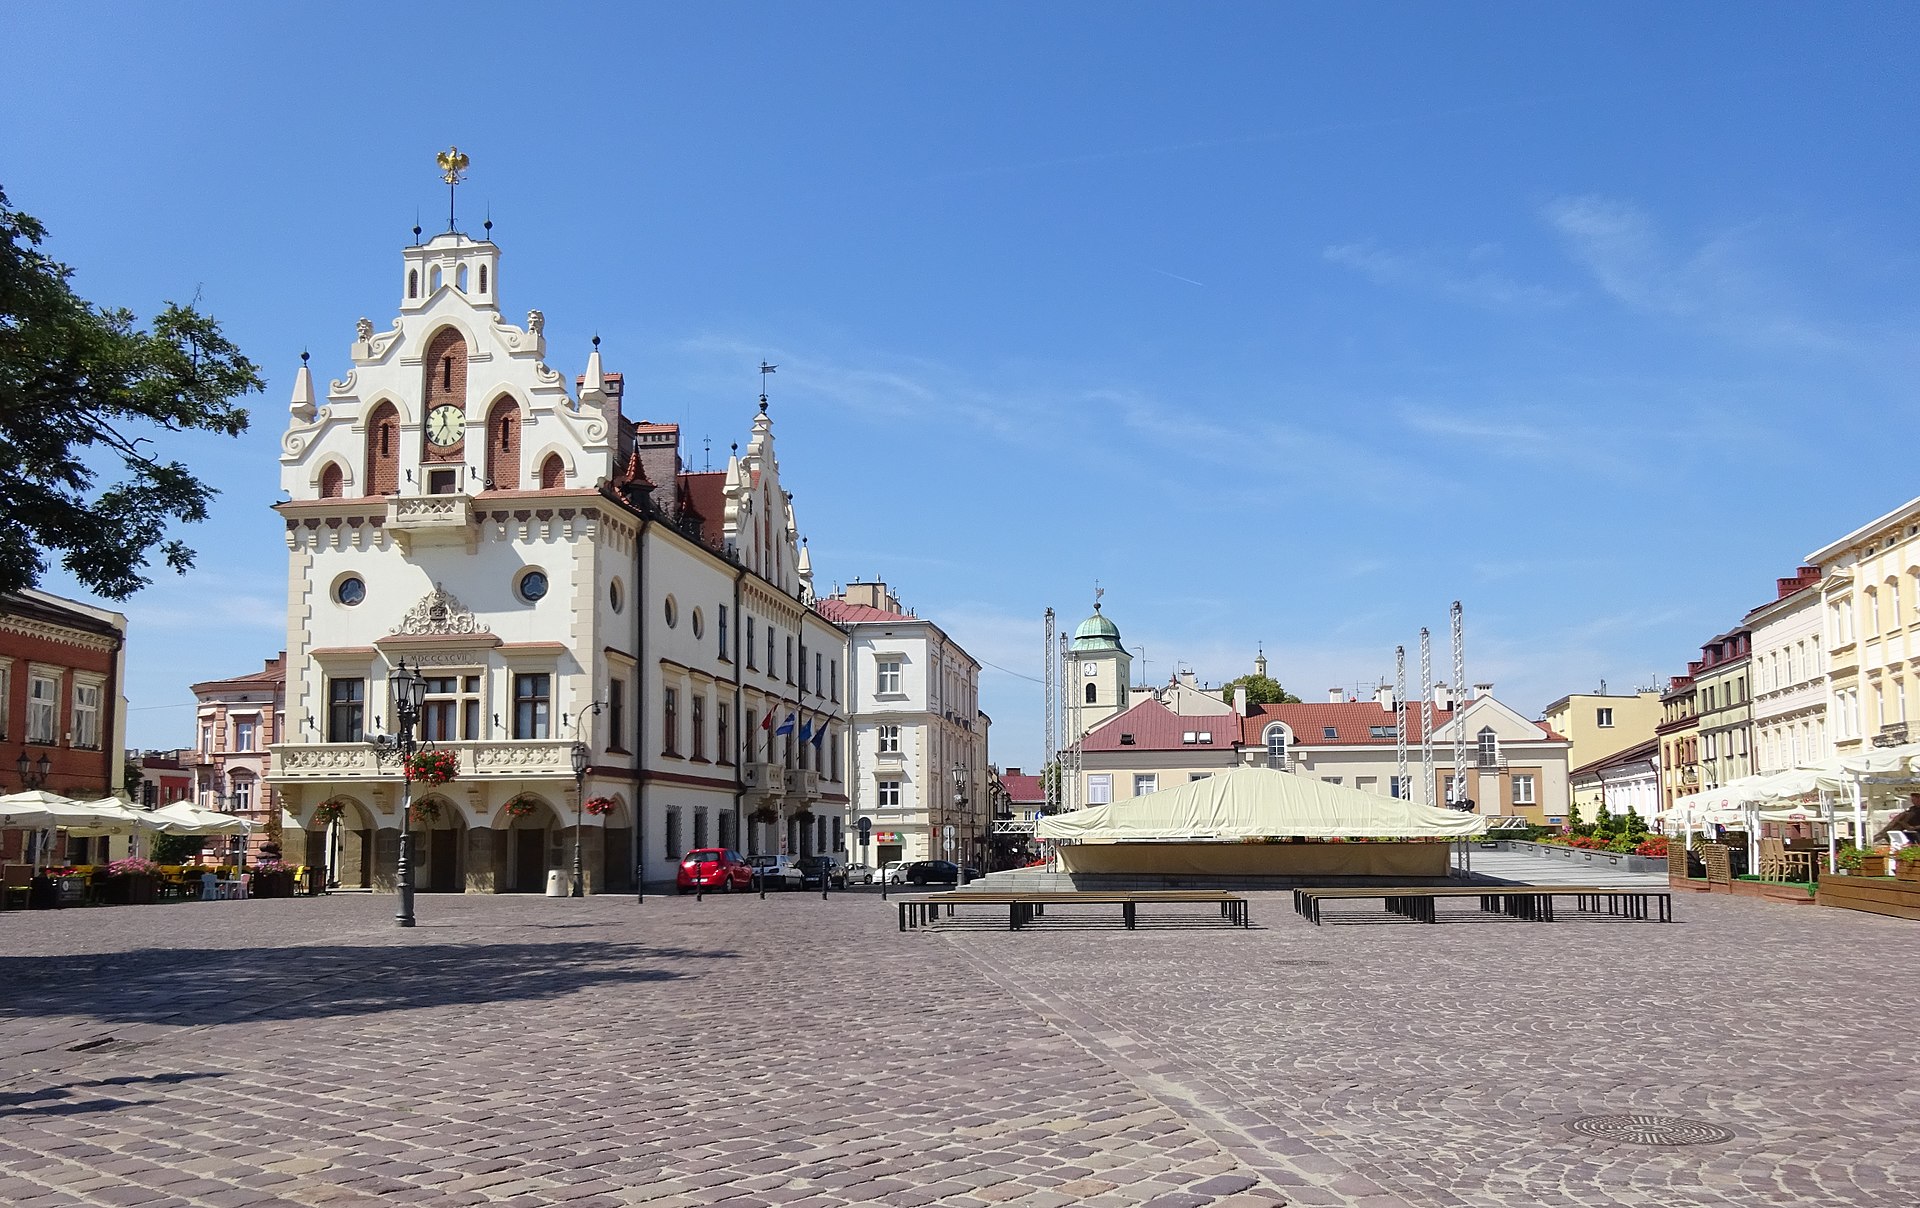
<point x="915" y="699"/>
<point x="558" y="577"/>
<point x="1870" y="600"/>
<point x="1789" y="683"/>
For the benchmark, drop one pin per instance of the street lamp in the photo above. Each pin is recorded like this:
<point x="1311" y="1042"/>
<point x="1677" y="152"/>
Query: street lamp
<point x="408" y="691"/>
<point x="33" y="773"/>
<point x="959" y="803"/>
<point x="582" y="755"/>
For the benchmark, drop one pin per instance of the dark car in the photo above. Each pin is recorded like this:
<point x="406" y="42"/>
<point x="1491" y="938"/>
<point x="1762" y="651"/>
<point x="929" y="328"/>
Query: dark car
<point x="713" y="869"/>
<point x="812" y="868"/>
<point x="939" y="872"/>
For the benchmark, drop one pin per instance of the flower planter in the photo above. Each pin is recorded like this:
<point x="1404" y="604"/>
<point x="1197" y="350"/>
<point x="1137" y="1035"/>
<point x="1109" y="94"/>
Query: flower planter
<point x="135" y="889"/>
<point x="1906" y="871"/>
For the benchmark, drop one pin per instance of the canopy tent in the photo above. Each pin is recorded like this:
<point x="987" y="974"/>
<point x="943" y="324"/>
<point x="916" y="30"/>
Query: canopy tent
<point x="1252" y="803"/>
<point x="186" y="818"/>
<point x="32" y="810"/>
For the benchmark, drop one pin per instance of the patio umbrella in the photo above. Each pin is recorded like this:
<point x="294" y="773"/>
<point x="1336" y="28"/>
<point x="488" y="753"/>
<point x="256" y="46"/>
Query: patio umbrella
<point x="186" y="818"/>
<point x="106" y="816"/>
<point x="32" y="810"/>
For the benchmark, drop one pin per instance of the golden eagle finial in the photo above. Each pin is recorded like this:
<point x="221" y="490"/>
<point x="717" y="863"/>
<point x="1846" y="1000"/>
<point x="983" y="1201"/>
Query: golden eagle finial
<point x="453" y="165"/>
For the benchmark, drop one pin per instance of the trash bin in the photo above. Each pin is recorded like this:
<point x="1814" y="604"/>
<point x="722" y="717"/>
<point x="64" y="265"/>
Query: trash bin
<point x="556" y="883"/>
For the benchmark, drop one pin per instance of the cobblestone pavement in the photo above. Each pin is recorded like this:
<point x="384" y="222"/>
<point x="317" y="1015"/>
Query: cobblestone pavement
<point x="800" y="1052"/>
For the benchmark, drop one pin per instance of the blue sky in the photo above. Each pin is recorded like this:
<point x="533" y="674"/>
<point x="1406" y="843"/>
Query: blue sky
<point x="1287" y="323"/>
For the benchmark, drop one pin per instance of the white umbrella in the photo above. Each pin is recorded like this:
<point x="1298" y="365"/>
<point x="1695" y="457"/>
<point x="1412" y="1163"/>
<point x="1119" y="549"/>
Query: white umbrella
<point x="31" y="810"/>
<point x="186" y="818"/>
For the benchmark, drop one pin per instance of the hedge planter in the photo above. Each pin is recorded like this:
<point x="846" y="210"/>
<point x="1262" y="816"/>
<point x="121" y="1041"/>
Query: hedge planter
<point x="136" y="889"/>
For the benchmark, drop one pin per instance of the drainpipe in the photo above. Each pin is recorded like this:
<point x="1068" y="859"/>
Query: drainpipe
<point x="740" y="736"/>
<point x="641" y="605"/>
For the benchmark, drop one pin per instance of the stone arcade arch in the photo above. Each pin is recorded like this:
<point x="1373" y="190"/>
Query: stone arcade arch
<point x="526" y="848"/>
<point x="440" y="845"/>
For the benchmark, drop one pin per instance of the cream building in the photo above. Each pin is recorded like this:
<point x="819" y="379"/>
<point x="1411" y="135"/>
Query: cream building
<point x="1679" y="737"/>
<point x="1789" y="676"/>
<point x="919" y="739"/>
<point x="554" y="572"/>
<point x="1599" y="724"/>
<point x="236" y="722"/>
<point x="1870" y="603"/>
<point x="1724" y="708"/>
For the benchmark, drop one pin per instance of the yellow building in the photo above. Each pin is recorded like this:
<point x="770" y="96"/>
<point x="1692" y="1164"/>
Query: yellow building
<point x="1870" y="598"/>
<point x="1599" y="724"/>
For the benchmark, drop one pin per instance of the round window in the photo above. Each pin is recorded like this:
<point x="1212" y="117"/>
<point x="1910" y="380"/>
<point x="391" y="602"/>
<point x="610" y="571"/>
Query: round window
<point x="614" y="598"/>
<point x="533" y="586"/>
<point x="699" y="624"/>
<point x="673" y="613"/>
<point x="350" y="591"/>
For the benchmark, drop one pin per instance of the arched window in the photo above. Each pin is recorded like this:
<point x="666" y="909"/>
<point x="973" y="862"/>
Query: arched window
<point x="460" y="278"/>
<point x="1091" y="694"/>
<point x="383" y="451"/>
<point x="446" y="383"/>
<point x="503" y="445"/>
<point x="553" y="473"/>
<point x="1489" y="748"/>
<point x="1276" y="738"/>
<point x="433" y="282"/>
<point x="331" y="481"/>
<point x="483" y="278"/>
<point x="413" y="283"/>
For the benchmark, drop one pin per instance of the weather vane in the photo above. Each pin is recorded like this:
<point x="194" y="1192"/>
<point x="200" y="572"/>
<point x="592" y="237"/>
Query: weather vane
<point x="453" y="170"/>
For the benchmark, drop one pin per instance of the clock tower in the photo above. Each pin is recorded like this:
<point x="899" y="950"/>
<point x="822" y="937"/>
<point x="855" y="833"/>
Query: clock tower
<point x="1099" y="671"/>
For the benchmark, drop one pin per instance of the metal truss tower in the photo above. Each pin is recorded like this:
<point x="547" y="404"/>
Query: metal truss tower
<point x="1459" y="723"/>
<point x="1050" y="778"/>
<point x="1426" y="715"/>
<point x="1402" y="789"/>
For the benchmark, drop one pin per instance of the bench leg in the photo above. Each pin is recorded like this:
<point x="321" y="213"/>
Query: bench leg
<point x="1126" y="912"/>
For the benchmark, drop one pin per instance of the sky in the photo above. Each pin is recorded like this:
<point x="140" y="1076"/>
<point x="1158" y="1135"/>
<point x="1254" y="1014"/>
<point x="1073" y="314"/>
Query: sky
<point x="1285" y="324"/>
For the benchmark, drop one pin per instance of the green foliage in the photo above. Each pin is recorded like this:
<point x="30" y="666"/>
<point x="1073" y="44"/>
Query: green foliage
<point x="1634" y="826"/>
<point x="78" y="384"/>
<point x="177" y="849"/>
<point x="1261" y="690"/>
<point x="1573" y="817"/>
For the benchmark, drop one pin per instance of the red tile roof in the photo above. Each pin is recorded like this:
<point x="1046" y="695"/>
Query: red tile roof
<point x="1151" y="726"/>
<point x="706" y="491"/>
<point x="1024" y="790"/>
<point x="272" y="675"/>
<point x="842" y="613"/>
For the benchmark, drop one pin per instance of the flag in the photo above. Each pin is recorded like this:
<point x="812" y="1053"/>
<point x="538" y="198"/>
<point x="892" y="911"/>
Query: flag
<point x="786" y="727"/>
<point x="768" y="723"/>
<point x="819" y="735"/>
<point x="806" y="730"/>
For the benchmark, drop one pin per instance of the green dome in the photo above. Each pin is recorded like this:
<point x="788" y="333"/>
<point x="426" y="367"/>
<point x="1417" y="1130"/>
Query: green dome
<point x="1096" y="633"/>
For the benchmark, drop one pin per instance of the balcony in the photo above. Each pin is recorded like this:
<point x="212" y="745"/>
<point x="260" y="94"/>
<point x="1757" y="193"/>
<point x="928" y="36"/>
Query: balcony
<point x="1487" y="762"/>
<point x="803" y="784"/>
<point x="503" y="760"/>
<point x="1891" y="736"/>
<point x="430" y="519"/>
<point x="764" y="781"/>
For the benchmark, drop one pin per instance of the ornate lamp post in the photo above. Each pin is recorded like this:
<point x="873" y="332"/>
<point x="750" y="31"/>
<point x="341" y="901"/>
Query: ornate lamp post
<point x="408" y="691"/>
<point x="580" y="756"/>
<point x="33" y="773"/>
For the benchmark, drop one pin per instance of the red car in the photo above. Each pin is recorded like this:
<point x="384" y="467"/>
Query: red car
<point x="714" y="869"/>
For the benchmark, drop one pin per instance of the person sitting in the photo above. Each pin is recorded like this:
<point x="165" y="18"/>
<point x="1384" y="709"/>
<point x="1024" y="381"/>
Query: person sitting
<point x="1902" y="827"/>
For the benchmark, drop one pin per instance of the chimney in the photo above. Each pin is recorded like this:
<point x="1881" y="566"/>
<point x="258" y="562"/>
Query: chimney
<point x="1336" y="696"/>
<point x="1383" y="696"/>
<point x="1012" y="772"/>
<point x="1482" y="690"/>
<point x="1442" y="696"/>
<point x="1240" y="700"/>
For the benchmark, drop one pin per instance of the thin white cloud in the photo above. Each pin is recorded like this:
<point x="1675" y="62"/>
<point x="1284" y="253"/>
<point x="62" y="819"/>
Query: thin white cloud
<point x="1459" y="277"/>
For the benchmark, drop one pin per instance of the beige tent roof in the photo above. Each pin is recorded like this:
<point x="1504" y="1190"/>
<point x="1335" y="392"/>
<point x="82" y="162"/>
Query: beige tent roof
<point x="1256" y="803"/>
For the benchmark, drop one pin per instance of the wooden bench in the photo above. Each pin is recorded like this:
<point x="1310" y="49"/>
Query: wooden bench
<point x="1024" y="908"/>
<point x="1531" y="902"/>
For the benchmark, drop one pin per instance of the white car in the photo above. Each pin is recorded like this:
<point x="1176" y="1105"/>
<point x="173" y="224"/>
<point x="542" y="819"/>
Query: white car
<point x="856" y="874"/>
<point x="894" y="872"/>
<point x="777" y="872"/>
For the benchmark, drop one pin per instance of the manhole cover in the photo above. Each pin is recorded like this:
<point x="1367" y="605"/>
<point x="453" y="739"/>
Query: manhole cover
<point x="1652" y="1130"/>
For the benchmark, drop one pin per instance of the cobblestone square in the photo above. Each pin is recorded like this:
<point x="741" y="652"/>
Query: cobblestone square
<point x="796" y="1051"/>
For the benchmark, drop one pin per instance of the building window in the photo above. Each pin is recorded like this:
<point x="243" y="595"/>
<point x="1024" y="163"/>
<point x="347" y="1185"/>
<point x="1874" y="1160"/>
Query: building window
<point x="346" y="710"/>
<point x="889" y="740"/>
<point x="699" y="829"/>
<point x="1092" y="695"/>
<point x="241" y="802"/>
<point x="1603" y="718"/>
<point x="243" y="735"/>
<point x="1489" y="747"/>
<point x="673" y="833"/>
<point x="1144" y="783"/>
<point x="887" y="794"/>
<point x="1099" y="789"/>
<point x="723" y="722"/>
<point x="672" y="610"/>
<point x="1523" y="790"/>
<point x="803" y="668"/>
<point x="750" y="665"/>
<point x="699" y="729"/>
<point x="553" y="473"/>
<point x="789" y="658"/>
<point x="769" y="650"/>
<point x="888" y="679"/>
<point x="670" y="721"/>
<point x="833" y="678"/>
<point x="451" y="710"/>
<point x="532" y="705"/>
<point x="6" y="699"/>
<point x="86" y="716"/>
<point x="43" y="707"/>
<point x="819" y="660"/>
<point x="1396" y="787"/>
<point x="1277" y="749"/>
<point x="720" y="628"/>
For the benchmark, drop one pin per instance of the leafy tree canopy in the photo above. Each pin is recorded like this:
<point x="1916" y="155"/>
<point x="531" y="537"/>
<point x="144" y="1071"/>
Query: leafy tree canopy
<point x="77" y="384"/>
<point x="1261" y="690"/>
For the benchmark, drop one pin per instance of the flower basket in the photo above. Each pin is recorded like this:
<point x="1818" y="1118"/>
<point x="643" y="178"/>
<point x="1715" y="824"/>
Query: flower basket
<point x="1906" y="863"/>
<point x="764" y="814"/>
<point x="425" y="811"/>
<point x="432" y="767"/>
<point x="600" y="807"/>
<point x="522" y="807"/>
<point x="326" y="814"/>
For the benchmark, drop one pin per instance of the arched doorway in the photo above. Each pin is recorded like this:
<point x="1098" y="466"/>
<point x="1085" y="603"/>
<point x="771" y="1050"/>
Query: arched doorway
<point x="440" y="846"/>
<point x="340" y="840"/>
<point x="530" y="849"/>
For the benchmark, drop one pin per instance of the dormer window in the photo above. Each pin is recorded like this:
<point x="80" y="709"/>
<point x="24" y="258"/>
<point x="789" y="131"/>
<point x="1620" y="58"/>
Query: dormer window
<point x="1329" y="732"/>
<point x="1126" y="740"/>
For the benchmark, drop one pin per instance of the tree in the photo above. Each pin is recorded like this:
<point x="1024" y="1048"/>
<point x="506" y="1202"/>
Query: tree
<point x="77" y="385"/>
<point x="1261" y="690"/>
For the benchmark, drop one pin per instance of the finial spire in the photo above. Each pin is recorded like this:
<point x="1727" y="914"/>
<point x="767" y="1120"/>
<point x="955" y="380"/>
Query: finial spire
<point x="453" y="170"/>
<point x="765" y="369"/>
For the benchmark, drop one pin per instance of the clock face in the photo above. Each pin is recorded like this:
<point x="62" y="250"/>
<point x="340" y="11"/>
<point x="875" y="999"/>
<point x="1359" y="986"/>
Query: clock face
<point x="1089" y="669"/>
<point x="446" y="424"/>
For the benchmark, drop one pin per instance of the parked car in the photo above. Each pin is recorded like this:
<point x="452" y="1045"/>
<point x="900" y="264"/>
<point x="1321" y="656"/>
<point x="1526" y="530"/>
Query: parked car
<point x="813" y="868"/>
<point x="894" y="872"/>
<point x="713" y="869"/>
<point x="778" y="872"/>
<point x="857" y="874"/>
<point x="940" y="872"/>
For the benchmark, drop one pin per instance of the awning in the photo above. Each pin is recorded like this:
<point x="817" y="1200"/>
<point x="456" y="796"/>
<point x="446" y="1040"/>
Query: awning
<point x="1251" y="803"/>
<point x="186" y="818"/>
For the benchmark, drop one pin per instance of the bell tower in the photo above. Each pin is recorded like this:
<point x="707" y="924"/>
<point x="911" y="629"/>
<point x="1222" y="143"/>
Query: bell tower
<point x="1100" y="670"/>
